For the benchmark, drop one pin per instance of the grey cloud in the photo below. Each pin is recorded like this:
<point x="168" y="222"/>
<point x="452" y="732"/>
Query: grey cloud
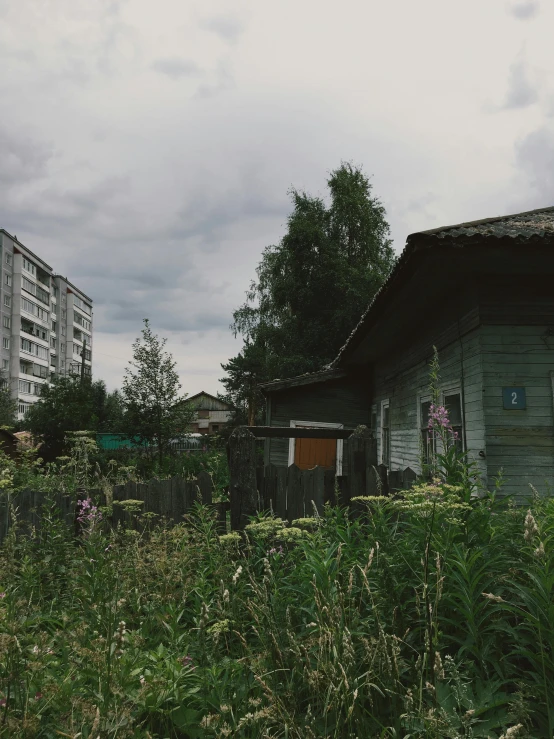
<point x="176" y="67"/>
<point x="227" y="27"/>
<point x="525" y="10"/>
<point x="535" y="158"/>
<point x="521" y="92"/>
<point x="223" y="80"/>
<point x="23" y="158"/>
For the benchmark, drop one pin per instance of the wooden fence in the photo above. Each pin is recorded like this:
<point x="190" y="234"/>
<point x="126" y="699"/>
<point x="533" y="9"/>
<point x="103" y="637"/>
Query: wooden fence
<point x="289" y="492"/>
<point x="170" y="499"/>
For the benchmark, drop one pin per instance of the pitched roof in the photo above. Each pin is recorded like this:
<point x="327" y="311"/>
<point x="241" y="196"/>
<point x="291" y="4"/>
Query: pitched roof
<point x="309" y="378"/>
<point x="520" y="227"/>
<point x="203" y="394"/>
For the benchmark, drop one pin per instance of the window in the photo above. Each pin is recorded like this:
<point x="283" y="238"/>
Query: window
<point x="6" y="321"/>
<point x="35" y="290"/>
<point x="453" y="405"/>
<point x="9" y="280"/>
<point x="5" y="342"/>
<point x="40" y="371"/>
<point x="25" y="387"/>
<point x="63" y="330"/>
<point x="78" y="318"/>
<point x="31" y="348"/>
<point x="22" y="408"/>
<point x="53" y="307"/>
<point x="77" y="334"/>
<point x="29" y="307"/>
<point x="62" y="348"/>
<point x="385" y="433"/>
<point x="5" y="364"/>
<point x="8" y="301"/>
<point x="23" y="368"/>
<point x="53" y="342"/>
<point x="215" y="427"/>
<point x="8" y="258"/>
<point x="82" y="305"/>
<point x="64" y="313"/>
<point x="29" y="267"/>
<point x="63" y="298"/>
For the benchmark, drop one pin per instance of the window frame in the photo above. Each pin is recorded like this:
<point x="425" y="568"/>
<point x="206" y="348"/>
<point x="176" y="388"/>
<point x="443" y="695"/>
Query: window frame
<point x="455" y="388"/>
<point x="8" y="280"/>
<point x="8" y="301"/>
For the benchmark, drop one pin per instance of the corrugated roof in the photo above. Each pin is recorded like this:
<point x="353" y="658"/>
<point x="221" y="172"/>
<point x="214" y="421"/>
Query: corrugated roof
<point x="518" y="226"/>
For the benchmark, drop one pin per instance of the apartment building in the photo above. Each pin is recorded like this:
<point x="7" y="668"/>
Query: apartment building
<point x="46" y="323"/>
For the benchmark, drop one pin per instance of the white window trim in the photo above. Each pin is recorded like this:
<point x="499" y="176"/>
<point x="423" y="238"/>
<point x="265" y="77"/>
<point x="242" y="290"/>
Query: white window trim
<point x="455" y="388"/>
<point x="384" y="404"/>
<point x="318" y="425"/>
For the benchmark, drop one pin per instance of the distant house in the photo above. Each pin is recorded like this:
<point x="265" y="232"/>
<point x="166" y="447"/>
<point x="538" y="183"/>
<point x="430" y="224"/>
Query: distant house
<point x="211" y="413"/>
<point x="482" y="293"/>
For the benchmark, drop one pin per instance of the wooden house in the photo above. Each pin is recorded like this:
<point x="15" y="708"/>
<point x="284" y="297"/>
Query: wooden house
<point x="211" y="413"/>
<point x="481" y="292"/>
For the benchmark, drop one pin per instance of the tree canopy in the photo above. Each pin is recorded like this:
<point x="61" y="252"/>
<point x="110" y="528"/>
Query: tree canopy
<point x="155" y="411"/>
<point x="312" y="288"/>
<point x="72" y="404"/>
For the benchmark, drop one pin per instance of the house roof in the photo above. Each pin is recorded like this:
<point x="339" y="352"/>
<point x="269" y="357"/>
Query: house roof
<point x="518" y="228"/>
<point x="307" y="379"/>
<point x="203" y="394"/>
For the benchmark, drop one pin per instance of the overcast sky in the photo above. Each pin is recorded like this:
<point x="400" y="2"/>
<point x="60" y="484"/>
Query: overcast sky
<point x="147" y="147"/>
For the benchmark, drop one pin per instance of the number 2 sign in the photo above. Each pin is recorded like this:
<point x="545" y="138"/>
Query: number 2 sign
<point x="514" y="398"/>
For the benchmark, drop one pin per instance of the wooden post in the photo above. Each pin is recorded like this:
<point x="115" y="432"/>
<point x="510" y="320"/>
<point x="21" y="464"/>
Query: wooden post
<point x="242" y="472"/>
<point x="360" y="448"/>
<point x="295" y="493"/>
<point x="281" y="493"/>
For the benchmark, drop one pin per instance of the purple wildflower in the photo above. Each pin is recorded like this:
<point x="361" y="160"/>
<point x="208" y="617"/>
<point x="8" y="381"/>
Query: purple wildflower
<point x="2" y="595"/>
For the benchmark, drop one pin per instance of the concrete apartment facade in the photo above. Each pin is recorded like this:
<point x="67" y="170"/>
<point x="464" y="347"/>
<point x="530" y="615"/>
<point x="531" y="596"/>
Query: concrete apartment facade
<point x="46" y="323"/>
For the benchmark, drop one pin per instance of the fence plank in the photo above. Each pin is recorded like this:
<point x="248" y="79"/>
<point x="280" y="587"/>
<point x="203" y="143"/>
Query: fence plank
<point x="270" y="487"/>
<point x="178" y="495"/>
<point x="242" y="472"/>
<point x="410" y="476"/>
<point x="295" y="493"/>
<point x="329" y="487"/>
<point x="395" y="480"/>
<point x="307" y="492"/>
<point x="318" y="491"/>
<point x="205" y="485"/>
<point x="281" y="493"/>
<point x="360" y="455"/>
<point x="383" y="472"/>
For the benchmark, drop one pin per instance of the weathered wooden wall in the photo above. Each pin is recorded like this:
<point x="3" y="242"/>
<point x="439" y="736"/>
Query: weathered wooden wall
<point x="521" y="442"/>
<point x="343" y="401"/>
<point x="403" y="379"/>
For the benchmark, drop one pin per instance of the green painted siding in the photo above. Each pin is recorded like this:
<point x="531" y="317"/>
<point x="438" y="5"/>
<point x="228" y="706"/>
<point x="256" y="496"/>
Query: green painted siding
<point x="521" y="442"/>
<point x="460" y="367"/>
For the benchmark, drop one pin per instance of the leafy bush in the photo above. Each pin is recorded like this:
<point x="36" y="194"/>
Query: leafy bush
<point x="407" y="620"/>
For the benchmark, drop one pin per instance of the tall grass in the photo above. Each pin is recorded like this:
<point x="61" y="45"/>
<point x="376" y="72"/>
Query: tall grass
<point x="431" y="615"/>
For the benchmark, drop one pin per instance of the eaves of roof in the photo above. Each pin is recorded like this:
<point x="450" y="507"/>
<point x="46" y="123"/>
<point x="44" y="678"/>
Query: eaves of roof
<point x="519" y="227"/>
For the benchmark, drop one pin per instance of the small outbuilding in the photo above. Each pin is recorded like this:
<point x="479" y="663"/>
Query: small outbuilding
<point x="482" y="293"/>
